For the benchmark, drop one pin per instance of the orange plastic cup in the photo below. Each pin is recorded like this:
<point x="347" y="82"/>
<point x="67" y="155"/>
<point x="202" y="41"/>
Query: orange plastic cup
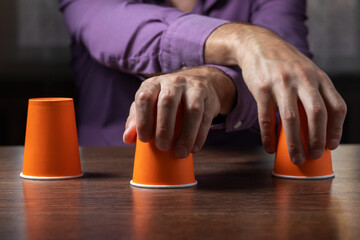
<point x="312" y="169"/>
<point x="51" y="143"/>
<point x="154" y="168"/>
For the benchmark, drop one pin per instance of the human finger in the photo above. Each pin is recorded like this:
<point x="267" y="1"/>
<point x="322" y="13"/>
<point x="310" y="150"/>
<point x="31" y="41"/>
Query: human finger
<point x="267" y="118"/>
<point x="145" y="102"/>
<point x="337" y="109"/>
<point x="316" y="115"/>
<point x="129" y="136"/>
<point x="289" y="114"/>
<point x="193" y="113"/>
<point x="205" y="125"/>
<point x="167" y="105"/>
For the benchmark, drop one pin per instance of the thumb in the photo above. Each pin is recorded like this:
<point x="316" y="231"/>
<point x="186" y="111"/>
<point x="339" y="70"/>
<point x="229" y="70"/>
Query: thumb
<point x="129" y="136"/>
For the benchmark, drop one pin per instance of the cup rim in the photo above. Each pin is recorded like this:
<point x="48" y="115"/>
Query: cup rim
<point x="163" y="186"/>
<point x="51" y="99"/>
<point x="303" y="177"/>
<point x="49" y="178"/>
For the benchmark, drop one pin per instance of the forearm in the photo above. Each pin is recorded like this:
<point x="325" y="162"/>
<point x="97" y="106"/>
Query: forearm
<point x="232" y="43"/>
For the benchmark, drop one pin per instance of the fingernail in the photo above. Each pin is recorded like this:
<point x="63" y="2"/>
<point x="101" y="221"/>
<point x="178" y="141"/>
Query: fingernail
<point x="298" y="158"/>
<point x="181" y="152"/>
<point x="196" y="148"/>
<point x="333" y="143"/>
<point x="315" y="154"/>
<point x="162" y="144"/>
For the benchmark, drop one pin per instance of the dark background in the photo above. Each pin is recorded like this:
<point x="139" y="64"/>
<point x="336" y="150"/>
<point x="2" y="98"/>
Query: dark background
<point x="34" y="58"/>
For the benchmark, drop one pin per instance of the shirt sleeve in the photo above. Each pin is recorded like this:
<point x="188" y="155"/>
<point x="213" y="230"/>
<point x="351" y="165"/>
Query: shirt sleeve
<point x="138" y="38"/>
<point x="284" y="17"/>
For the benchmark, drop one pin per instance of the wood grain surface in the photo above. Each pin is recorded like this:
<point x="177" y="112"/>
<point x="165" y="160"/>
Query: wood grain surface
<point x="236" y="198"/>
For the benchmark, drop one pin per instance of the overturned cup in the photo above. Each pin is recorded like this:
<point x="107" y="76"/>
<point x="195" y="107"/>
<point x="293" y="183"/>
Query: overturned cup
<point x="312" y="168"/>
<point x="154" y="168"/>
<point x="51" y="143"/>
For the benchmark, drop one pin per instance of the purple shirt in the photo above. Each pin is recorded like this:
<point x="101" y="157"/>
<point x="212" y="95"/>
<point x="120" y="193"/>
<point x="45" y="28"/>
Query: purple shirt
<point x="113" y="41"/>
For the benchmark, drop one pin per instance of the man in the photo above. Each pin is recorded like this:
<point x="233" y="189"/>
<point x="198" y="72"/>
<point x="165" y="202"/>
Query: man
<point x="242" y="60"/>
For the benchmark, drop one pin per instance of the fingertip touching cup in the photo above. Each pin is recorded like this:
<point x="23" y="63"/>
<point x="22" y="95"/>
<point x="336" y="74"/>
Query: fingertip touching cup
<point x="154" y="168"/>
<point x="51" y="143"/>
<point x="320" y="168"/>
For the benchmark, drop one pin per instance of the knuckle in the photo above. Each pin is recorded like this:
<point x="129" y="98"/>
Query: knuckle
<point x="340" y="107"/>
<point x="199" y="85"/>
<point x="292" y="148"/>
<point x="178" y="80"/>
<point x="304" y="73"/>
<point x="264" y="87"/>
<point x="301" y="70"/>
<point x="143" y="96"/>
<point x="152" y="79"/>
<point x="163" y="131"/>
<point x="194" y="108"/>
<point x="265" y="122"/>
<point x="166" y="99"/>
<point x="289" y="115"/>
<point x="282" y="77"/>
<point x="317" y="109"/>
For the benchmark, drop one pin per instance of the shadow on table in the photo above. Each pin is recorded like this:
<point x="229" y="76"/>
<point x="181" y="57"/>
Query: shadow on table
<point x="240" y="176"/>
<point x="99" y="175"/>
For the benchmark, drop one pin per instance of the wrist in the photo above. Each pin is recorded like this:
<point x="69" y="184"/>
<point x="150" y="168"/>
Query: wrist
<point x="256" y="42"/>
<point x="218" y="48"/>
<point x="233" y="43"/>
<point x="230" y="43"/>
<point x="225" y="89"/>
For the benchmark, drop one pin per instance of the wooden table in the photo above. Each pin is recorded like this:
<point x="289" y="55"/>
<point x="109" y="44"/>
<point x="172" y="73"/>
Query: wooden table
<point x="236" y="198"/>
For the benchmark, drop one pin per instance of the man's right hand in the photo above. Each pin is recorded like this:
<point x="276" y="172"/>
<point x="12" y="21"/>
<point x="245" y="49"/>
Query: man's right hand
<point x="279" y="76"/>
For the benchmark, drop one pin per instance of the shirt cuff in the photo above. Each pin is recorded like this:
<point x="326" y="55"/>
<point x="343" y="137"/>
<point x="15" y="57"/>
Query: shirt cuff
<point x="182" y="45"/>
<point x="244" y="114"/>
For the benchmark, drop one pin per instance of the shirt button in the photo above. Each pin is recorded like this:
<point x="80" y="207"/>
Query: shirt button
<point x="238" y="124"/>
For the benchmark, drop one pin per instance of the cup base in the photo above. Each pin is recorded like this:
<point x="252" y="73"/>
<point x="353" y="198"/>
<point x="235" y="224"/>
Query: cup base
<point x="163" y="186"/>
<point x="49" y="178"/>
<point x="303" y="177"/>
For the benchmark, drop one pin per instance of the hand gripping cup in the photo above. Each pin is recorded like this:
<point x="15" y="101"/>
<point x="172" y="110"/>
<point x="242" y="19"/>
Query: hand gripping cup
<point x="312" y="169"/>
<point x="51" y="144"/>
<point x="154" y="168"/>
